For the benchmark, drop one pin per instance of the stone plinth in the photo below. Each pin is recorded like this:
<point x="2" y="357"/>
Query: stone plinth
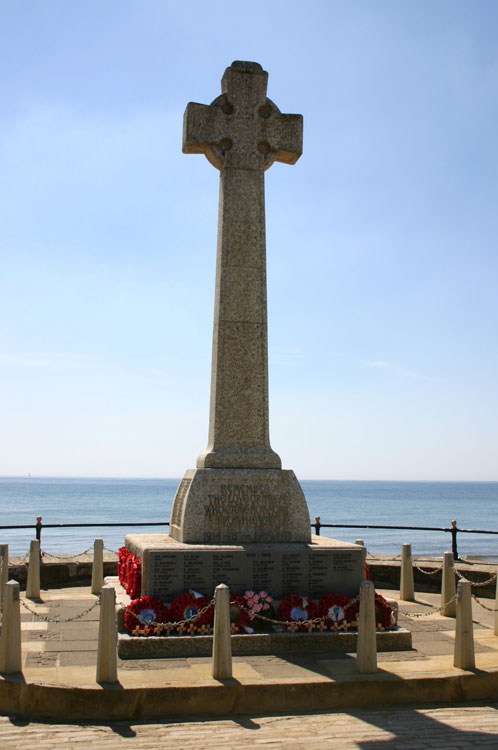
<point x="238" y="506"/>
<point x="158" y="647"/>
<point x="322" y="567"/>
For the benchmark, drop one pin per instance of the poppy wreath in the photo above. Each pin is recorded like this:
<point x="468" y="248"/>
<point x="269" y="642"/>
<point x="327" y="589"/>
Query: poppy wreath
<point x="125" y="560"/>
<point x="135" y="578"/>
<point x="298" y="611"/>
<point x="122" y="556"/>
<point x="384" y="619"/>
<point x="146" y="616"/>
<point x="187" y="605"/>
<point x="240" y="619"/>
<point x="335" y="611"/>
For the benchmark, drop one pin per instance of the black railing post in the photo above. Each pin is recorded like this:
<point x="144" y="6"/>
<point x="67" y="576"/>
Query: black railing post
<point x="317" y="525"/>
<point x="38" y="527"/>
<point x="454" y="547"/>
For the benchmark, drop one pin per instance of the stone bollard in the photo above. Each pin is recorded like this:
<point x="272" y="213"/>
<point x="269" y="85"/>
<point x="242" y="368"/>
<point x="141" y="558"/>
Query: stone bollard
<point x="496" y="606"/>
<point x="33" y="582"/>
<point x="222" y="640"/>
<point x="98" y="566"/>
<point x="366" y="655"/>
<point x="448" y="586"/>
<point x="107" y="659"/>
<point x="406" y="589"/>
<point x="464" y="634"/>
<point x="10" y="637"/>
<point x="4" y="571"/>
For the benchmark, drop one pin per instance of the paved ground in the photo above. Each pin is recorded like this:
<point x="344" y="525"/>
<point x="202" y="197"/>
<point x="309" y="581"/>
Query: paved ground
<point x="456" y="727"/>
<point x="65" y="653"/>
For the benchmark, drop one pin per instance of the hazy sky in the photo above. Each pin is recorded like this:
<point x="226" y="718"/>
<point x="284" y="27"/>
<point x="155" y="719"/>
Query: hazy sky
<point x="381" y="240"/>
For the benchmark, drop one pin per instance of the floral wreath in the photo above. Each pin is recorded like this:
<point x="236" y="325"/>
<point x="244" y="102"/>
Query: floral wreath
<point x="297" y="611"/>
<point x="384" y="615"/>
<point x="130" y="572"/>
<point x="337" y="611"/>
<point x="146" y="616"/>
<point x="186" y="606"/>
<point x="240" y="618"/>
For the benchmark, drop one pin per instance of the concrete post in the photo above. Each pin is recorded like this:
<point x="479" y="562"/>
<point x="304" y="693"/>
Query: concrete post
<point x="222" y="643"/>
<point x="366" y="656"/>
<point x="33" y="583"/>
<point x="10" y="637"/>
<point x="98" y="566"/>
<point x="4" y="571"/>
<point x="448" y="586"/>
<point x="107" y="660"/>
<point x="464" y="634"/>
<point x="496" y="606"/>
<point x="406" y="589"/>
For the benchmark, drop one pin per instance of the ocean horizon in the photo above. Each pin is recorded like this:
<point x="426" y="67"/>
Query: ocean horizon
<point x="138" y="500"/>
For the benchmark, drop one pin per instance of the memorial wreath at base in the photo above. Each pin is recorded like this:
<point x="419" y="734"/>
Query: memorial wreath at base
<point x="192" y="613"/>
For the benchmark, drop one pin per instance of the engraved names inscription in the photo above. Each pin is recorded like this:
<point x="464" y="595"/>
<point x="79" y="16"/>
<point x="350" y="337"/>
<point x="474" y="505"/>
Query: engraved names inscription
<point x="279" y="569"/>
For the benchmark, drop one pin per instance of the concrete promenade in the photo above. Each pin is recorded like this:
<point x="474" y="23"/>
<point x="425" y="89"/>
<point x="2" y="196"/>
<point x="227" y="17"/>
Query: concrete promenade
<point x="355" y="710"/>
<point x="455" y="727"/>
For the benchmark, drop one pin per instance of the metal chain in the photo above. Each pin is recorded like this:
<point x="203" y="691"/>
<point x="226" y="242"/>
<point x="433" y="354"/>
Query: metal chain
<point x="315" y="621"/>
<point x="427" y="572"/>
<point x="45" y="618"/>
<point x="69" y="556"/>
<point x="489" y="609"/>
<point x="381" y="557"/>
<point x="162" y="625"/>
<point x="114" y="551"/>
<point x="22" y="561"/>
<point x="434" y="611"/>
<point x="474" y="583"/>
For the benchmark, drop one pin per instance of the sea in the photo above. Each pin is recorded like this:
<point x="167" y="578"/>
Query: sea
<point x="474" y="505"/>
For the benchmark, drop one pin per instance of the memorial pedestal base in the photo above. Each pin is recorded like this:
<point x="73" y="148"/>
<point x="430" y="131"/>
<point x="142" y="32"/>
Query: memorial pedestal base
<point x="239" y="506"/>
<point x="325" y="566"/>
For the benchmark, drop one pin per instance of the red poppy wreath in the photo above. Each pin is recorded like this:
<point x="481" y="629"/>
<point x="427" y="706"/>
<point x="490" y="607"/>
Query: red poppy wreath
<point x="298" y="611"/>
<point x="240" y="620"/>
<point x="334" y="608"/>
<point x="145" y="616"/>
<point x="188" y="605"/>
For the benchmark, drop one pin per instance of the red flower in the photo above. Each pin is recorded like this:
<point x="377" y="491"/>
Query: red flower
<point x="144" y="616"/>
<point x="187" y="605"/>
<point x="297" y="609"/>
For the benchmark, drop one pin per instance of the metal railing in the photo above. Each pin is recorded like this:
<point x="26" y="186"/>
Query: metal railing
<point x="317" y="525"/>
<point x="453" y="530"/>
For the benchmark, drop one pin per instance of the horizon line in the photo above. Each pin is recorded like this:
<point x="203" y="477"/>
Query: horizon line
<point x="178" y="478"/>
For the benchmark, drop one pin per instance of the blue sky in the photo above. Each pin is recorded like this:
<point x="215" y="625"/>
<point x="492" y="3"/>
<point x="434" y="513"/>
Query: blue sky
<point x="381" y="240"/>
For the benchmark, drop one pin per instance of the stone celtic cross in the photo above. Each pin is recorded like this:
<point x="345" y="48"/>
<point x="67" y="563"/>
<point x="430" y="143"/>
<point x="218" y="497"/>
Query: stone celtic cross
<point x="241" y="133"/>
<point x="238" y="493"/>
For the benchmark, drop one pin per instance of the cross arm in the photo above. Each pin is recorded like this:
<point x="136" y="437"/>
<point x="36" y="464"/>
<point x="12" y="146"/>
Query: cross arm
<point x="199" y="128"/>
<point x="286" y="138"/>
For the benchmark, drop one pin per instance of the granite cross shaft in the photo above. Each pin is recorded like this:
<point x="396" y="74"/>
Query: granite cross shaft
<point x="241" y="133"/>
<point x="238" y="492"/>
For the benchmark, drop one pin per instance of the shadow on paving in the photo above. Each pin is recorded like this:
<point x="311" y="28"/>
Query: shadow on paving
<point x="406" y="724"/>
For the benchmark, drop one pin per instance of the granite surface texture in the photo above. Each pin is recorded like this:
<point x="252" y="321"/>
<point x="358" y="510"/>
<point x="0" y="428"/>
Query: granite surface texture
<point x="325" y="566"/>
<point x="242" y="133"/>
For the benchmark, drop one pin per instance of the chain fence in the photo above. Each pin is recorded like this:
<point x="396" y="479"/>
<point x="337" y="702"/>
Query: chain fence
<point x="58" y="618"/>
